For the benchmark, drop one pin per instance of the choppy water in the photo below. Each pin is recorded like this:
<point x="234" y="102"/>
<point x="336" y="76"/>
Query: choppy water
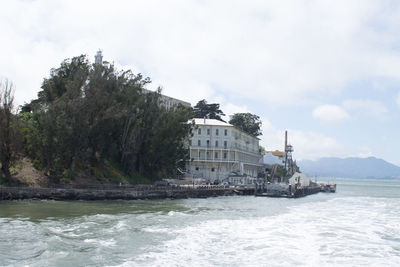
<point x="357" y="226"/>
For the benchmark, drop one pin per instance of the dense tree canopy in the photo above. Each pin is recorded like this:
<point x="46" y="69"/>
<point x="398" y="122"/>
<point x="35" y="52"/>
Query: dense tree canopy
<point x="7" y="128"/>
<point x="248" y="123"/>
<point x="87" y="114"/>
<point x="210" y="111"/>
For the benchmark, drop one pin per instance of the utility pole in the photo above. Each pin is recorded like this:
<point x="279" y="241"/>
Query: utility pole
<point x="285" y="149"/>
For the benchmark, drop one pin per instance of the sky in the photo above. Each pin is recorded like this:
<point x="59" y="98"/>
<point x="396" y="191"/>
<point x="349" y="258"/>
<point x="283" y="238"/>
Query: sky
<point x="326" y="71"/>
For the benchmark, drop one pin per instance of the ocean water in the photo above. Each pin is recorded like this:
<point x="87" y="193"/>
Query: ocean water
<point x="357" y="226"/>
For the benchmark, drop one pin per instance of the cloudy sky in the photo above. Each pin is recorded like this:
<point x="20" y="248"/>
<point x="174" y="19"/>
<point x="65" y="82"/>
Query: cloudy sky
<point x="327" y="71"/>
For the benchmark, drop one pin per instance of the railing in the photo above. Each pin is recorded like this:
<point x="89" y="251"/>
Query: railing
<point x="214" y="159"/>
<point x="238" y="147"/>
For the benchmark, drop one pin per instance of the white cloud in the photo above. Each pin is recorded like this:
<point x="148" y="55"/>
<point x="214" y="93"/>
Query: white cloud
<point x="236" y="53"/>
<point x="398" y="99"/>
<point x="263" y="50"/>
<point x="330" y="114"/>
<point x="308" y="144"/>
<point x="272" y="138"/>
<point x="230" y="109"/>
<point x="366" y="107"/>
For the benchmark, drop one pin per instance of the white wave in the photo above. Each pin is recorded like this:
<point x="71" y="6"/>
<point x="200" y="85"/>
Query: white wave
<point x="319" y="230"/>
<point x="313" y="234"/>
<point x="103" y="243"/>
<point x="156" y="230"/>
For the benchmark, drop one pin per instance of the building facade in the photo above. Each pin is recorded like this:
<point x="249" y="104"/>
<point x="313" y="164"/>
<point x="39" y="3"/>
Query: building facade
<point x="170" y="102"/>
<point x="167" y="101"/>
<point x="219" y="151"/>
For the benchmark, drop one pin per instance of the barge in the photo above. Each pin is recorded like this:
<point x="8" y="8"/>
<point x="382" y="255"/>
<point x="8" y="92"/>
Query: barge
<point x="297" y="186"/>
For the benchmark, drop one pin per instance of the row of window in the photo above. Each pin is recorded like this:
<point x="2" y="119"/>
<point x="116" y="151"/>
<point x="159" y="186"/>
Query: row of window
<point x="225" y="155"/>
<point x="208" y="143"/>
<point x="244" y="158"/>
<point x="212" y="169"/>
<point x="209" y="131"/>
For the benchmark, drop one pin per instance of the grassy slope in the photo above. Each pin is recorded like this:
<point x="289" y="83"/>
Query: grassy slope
<point x="23" y="173"/>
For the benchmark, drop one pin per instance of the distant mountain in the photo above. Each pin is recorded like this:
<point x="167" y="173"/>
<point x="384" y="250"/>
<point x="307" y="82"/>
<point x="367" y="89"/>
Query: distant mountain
<point x="350" y="167"/>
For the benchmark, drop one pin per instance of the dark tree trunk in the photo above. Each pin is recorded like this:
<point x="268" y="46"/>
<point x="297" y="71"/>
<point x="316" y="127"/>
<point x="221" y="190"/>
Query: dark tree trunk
<point x="6" y="107"/>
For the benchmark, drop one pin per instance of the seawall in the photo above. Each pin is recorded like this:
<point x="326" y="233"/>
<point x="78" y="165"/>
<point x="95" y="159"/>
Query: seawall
<point x="18" y="193"/>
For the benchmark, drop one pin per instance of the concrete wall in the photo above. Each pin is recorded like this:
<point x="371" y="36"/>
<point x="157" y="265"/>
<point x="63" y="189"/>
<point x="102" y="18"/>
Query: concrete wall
<point x="14" y="193"/>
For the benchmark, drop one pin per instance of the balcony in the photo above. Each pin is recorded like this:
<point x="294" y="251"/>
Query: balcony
<point x="213" y="160"/>
<point x="228" y="147"/>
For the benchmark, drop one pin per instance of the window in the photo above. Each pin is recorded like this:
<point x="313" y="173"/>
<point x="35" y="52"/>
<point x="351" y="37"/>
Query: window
<point x="199" y="154"/>
<point x="216" y="143"/>
<point x="225" y="144"/>
<point x="208" y="155"/>
<point x="190" y="142"/>
<point x="208" y="143"/>
<point x="216" y="155"/>
<point x="226" y="132"/>
<point x="216" y="132"/>
<point x="199" y="142"/>
<point x="197" y="168"/>
<point x="212" y="169"/>
<point x="199" y="131"/>
<point x="208" y="131"/>
<point x="225" y="155"/>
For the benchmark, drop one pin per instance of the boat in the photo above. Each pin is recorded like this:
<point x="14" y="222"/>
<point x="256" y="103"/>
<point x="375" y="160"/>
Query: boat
<point x="328" y="188"/>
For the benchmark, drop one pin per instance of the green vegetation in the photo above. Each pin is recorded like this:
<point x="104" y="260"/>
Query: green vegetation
<point x="281" y="172"/>
<point x="95" y="121"/>
<point x="247" y="122"/>
<point x="112" y="173"/>
<point x="8" y="130"/>
<point x="210" y="111"/>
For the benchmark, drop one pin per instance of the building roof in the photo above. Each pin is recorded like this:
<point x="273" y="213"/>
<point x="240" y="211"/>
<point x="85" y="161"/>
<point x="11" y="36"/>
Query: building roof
<point x="163" y="97"/>
<point x="276" y="153"/>
<point x="213" y="122"/>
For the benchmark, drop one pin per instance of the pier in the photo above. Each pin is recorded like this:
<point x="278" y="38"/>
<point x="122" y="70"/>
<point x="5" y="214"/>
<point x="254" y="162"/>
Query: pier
<point x="135" y="192"/>
<point x="289" y="191"/>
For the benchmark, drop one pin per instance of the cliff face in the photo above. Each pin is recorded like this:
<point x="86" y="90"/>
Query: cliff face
<point x="350" y="167"/>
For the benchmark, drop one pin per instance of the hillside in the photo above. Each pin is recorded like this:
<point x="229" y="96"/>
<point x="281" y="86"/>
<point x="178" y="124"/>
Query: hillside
<point x="350" y="167"/>
<point x="25" y="174"/>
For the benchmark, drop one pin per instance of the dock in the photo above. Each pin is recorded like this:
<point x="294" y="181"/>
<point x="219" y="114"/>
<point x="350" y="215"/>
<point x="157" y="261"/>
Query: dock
<point x="287" y="191"/>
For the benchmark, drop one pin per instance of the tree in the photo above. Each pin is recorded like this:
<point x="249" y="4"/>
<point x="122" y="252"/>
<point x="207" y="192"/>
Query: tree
<point x="280" y="172"/>
<point x="61" y="117"/>
<point x="248" y="123"/>
<point x="87" y="115"/>
<point x="210" y="111"/>
<point x="6" y="127"/>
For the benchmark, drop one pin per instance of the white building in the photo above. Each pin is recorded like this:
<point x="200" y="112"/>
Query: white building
<point x="219" y="151"/>
<point x="167" y="101"/>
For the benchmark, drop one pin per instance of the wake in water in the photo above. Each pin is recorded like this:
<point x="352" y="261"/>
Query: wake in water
<point x="349" y="228"/>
